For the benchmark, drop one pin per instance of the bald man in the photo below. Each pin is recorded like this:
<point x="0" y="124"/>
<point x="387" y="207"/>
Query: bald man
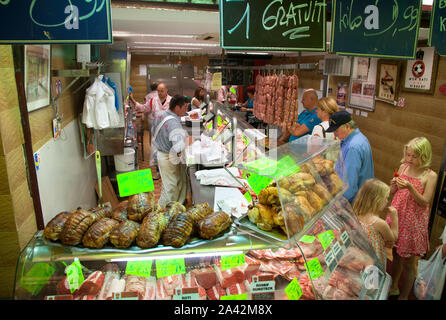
<point x="306" y="120"/>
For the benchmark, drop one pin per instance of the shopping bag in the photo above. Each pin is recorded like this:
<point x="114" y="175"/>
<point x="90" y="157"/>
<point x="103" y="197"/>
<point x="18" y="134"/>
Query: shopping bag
<point x="431" y="276"/>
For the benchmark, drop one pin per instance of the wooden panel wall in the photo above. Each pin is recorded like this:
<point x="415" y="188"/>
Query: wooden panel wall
<point x="17" y="219"/>
<point x="63" y="57"/>
<point x="389" y="128"/>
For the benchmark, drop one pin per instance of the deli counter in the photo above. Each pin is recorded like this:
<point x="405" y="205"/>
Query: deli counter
<point x="297" y="239"/>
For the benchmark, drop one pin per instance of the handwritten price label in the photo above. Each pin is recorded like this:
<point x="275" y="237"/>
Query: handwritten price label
<point x="135" y="182"/>
<point x="228" y="262"/>
<point x="314" y="268"/>
<point x="307" y="239"/>
<point x="75" y="276"/>
<point x="247" y="196"/>
<point x="36" y="278"/>
<point x="170" y="267"/>
<point x="293" y="290"/>
<point x="286" y="166"/>
<point x="326" y="238"/>
<point x="258" y="182"/>
<point x="139" y="268"/>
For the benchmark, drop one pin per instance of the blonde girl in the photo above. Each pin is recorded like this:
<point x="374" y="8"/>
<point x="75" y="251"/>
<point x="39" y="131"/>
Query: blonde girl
<point x="412" y="193"/>
<point x="326" y="107"/>
<point x="370" y="207"/>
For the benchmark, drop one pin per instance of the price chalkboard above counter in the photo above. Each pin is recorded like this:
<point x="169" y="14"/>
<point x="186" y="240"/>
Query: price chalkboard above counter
<point x="375" y="28"/>
<point x="437" y="32"/>
<point x="49" y="21"/>
<point x="273" y="25"/>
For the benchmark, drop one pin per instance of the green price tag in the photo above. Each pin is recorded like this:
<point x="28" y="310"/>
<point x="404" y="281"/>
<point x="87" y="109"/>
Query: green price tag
<point x="314" y="268"/>
<point x="232" y="90"/>
<point x="264" y="165"/>
<point x="247" y="196"/>
<point x="219" y="121"/>
<point x="36" y="278"/>
<point x="242" y="296"/>
<point x="210" y="125"/>
<point x="293" y="290"/>
<point x="228" y="262"/>
<point x="170" y="267"/>
<point x="286" y="166"/>
<point x="135" y="182"/>
<point x="258" y="182"/>
<point x="326" y="238"/>
<point x="139" y="268"/>
<point x="307" y="239"/>
<point x="245" y="140"/>
<point x="75" y="276"/>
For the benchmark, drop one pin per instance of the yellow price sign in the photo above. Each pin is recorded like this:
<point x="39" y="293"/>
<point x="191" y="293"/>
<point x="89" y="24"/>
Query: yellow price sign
<point x="139" y="268"/>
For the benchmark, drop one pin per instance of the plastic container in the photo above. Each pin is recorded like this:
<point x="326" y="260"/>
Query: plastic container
<point x="125" y="162"/>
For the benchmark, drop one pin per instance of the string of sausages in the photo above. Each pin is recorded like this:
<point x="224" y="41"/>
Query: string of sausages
<point x="275" y="99"/>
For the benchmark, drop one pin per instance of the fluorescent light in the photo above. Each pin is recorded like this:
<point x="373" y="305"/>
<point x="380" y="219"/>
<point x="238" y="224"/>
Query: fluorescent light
<point x="130" y="34"/>
<point x="179" y="44"/>
<point x="427" y="2"/>
<point x="253" y="53"/>
<point x="167" y="48"/>
<point x="188" y="255"/>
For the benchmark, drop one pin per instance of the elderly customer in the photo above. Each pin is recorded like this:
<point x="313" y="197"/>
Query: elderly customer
<point x="326" y="107"/>
<point x="356" y="152"/>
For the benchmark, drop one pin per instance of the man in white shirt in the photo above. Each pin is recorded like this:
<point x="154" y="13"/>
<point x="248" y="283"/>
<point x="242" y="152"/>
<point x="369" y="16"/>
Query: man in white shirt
<point x="152" y="108"/>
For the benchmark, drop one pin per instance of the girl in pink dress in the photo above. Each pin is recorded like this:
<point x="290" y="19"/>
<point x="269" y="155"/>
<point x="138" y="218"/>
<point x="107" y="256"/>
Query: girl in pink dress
<point x="412" y="190"/>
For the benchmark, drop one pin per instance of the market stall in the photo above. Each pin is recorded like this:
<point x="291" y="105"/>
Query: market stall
<point x="298" y="239"/>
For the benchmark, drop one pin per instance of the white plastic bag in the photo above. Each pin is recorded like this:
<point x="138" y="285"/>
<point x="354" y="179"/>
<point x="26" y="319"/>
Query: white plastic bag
<point x="431" y="276"/>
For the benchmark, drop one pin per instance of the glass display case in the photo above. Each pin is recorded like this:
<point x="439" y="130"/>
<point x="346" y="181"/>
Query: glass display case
<point x="284" y="248"/>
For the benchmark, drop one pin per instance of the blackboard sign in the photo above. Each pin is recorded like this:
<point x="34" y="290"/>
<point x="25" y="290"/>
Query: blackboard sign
<point x="50" y="21"/>
<point x="375" y="28"/>
<point x="273" y="25"/>
<point x="437" y="33"/>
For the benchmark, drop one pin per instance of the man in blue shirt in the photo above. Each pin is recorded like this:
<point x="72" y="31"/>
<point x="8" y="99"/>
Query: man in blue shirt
<point x="306" y="120"/>
<point x="356" y="152"/>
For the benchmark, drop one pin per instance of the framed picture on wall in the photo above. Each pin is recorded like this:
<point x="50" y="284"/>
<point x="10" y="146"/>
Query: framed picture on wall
<point x="419" y="74"/>
<point x="387" y="81"/>
<point x="37" y="76"/>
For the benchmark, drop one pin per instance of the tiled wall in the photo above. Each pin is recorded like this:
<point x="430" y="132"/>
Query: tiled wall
<point x="17" y="218"/>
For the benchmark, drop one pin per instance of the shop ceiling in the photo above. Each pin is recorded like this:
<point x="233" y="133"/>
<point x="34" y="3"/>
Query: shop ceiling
<point x="185" y="29"/>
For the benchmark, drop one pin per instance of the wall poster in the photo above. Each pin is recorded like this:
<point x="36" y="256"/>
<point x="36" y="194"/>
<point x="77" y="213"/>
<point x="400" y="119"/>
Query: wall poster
<point x="363" y="83"/>
<point x="419" y="74"/>
<point x="37" y="76"/>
